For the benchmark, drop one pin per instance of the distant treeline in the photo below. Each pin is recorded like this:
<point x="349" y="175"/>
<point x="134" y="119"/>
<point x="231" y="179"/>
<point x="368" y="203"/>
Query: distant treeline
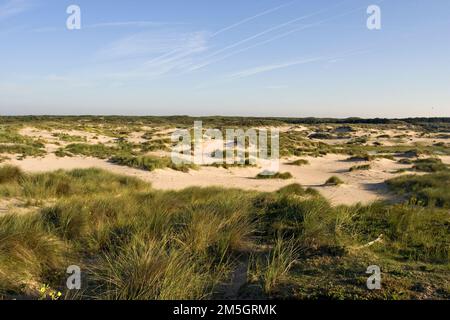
<point x="220" y="121"/>
<point x="365" y="121"/>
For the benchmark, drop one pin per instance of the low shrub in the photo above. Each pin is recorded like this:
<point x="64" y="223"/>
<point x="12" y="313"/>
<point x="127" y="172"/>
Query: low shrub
<point x="299" y="162"/>
<point x="10" y="174"/>
<point x="429" y="165"/>
<point x="362" y="167"/>
<point x="431" y="189"/>
<point x="150" y="163"/>
<point x="335" y="181"/>
<point x="277" y="175"/>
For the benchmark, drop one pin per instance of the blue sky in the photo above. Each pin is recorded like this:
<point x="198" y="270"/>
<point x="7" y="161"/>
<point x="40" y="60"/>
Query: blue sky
<point x="202" y="57"/>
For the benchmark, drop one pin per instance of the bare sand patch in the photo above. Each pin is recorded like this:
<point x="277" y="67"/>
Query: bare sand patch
<point x="15" y="206"/>
<point x="51" y="138"/>
<point x="136" y="137"/>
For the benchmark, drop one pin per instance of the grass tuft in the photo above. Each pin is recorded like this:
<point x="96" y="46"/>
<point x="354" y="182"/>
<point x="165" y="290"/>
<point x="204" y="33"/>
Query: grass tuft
<point x="361" y="167"/>
<point x="276" y="175"/>
<point x="10" y="174"/>
<point x="299" y="162"/>
<point x="429" y="165"/>
<point x="334" y="180"/>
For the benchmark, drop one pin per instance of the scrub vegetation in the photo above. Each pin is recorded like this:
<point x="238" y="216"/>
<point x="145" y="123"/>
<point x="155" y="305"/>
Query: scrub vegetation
<point x="133" y="241"/>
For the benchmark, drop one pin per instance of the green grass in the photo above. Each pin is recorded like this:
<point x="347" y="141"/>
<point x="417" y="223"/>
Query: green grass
<point x="156" y="145"/>
<point x="361" y="167"/>
<point x="297" y="189"/>
<point x="299" y="162"/>
<point x="62" y="183"/>
<point x="69" y="138"/>
<point x="28" y="253"/>
<point x="10" y="174"/>
<point x="429" y="165"/>
<point x="407" y="229"/>
<point x="292" y="143"/>
<point x="361" y="157"/>
<point x="297" y="144"/>
<point x="334" y="180"/>
<point x="276" y="175"/>
<point x="24" y="150"/>
<point x="430" y="190"/>
<point x="405" y="161"/>
<point x="91" y="150"/>
<point x="148" y="245"/>
<point x="274" y="268"/>
<point x="133" y="242"/>
<point x="12" y="142"/>
<point x="151" y="163"/>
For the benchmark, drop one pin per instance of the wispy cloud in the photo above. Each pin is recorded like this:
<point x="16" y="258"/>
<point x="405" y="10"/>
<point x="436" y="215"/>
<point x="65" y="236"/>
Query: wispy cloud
<point x="248" y="19"/>
<point x="154" y="54"/>
<point x="257" y="44"/>
<point x="136" y="57"/>
<point x="269" y="30"/>
<point x="226" y="29"/>
<point x="271" y="67"/>
<point x="148" y="44"/>
<point x="282" y="65"/>
<point x="13" y="7"/>
<point x="262" y="33"/>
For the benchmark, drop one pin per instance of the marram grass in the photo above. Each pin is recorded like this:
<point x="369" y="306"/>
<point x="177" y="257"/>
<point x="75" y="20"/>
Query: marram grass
<point x="134" y="242"/>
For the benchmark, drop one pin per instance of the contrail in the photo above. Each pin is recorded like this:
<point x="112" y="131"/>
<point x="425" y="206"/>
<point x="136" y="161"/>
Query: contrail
<point x="282" y="25"/>
<point x="252" y="18"/>
<point x="232" y="26"/>
<point x="199" y="66"/>
<point x="156" y="59"/>
<point x="262" y="69"/>
<point x="267" y="68"/>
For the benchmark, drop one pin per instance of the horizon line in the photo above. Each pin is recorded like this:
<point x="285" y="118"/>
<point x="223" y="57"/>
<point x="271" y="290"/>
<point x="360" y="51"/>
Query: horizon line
<point x="221" y="116"/>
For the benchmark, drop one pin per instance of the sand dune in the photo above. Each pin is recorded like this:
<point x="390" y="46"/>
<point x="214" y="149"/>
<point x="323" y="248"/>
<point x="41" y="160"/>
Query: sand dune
<point x="360" y="186"/>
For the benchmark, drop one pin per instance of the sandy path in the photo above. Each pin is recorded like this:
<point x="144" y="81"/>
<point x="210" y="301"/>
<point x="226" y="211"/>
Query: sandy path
<point x="360" y="186"/>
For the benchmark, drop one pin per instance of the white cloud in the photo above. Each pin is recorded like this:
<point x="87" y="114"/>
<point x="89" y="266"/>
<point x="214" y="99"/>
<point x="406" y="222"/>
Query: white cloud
<point x="152" y="43"/>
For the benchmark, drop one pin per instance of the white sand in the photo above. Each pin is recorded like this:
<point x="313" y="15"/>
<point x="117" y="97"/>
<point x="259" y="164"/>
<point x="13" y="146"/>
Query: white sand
<point x="360" y="186"/>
